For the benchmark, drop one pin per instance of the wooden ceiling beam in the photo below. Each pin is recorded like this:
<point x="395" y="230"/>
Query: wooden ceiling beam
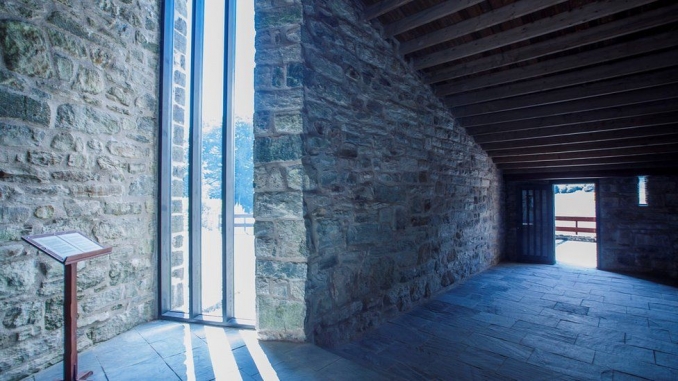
<point x="584" y="142"/>
<point x="651" y="94"/>
<point x="592" y="154"/>
<point x="639" y="109"/>
<point x="643" y="121"/>
<point x="586" y="90"/>
<point x="552" y="66"/>
<point x="577" y="174"/>
<point x="623" y="68"/>
<point x="626" y="159"/>
<point x="637" y="134"/>
<point x="475" y="24"/>
<point x="589" y="12"/>
<point x="428" y="15"/>
<point x="613" y="29"/>
<point x="592" y="171"/>
<point x="383" y="7"/>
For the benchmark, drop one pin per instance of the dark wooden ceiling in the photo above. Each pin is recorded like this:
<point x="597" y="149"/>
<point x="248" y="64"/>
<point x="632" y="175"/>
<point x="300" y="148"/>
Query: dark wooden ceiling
<point x="550" y="88"/>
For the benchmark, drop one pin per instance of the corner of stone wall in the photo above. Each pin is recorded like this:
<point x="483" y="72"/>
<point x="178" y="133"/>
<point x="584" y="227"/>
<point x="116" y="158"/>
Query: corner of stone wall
<point x="369" y="198"/>
<point x="280" y="232"/>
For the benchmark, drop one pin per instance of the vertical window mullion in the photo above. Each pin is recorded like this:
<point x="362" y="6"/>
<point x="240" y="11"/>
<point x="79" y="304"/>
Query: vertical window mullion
<point x="195" y="160"/>
<point x="228" y="158"/>
<point x="165" y="180"/>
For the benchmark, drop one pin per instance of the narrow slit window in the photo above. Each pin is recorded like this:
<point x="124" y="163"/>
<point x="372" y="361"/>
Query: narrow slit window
<point x="642" y="190"/>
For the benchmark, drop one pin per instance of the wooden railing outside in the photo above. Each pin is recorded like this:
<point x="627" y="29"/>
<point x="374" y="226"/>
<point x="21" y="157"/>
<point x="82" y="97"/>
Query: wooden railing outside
<point x="243" y="220"/>
<point x="576" y="229"/>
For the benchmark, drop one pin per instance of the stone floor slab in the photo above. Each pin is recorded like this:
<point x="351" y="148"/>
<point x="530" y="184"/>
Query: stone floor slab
<point x="495" y="326"/>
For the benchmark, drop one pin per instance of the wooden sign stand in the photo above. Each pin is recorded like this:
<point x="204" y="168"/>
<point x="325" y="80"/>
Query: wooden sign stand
<point x="69" y="248"/>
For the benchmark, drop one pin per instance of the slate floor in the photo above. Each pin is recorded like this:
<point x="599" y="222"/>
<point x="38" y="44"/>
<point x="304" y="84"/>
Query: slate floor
<point x="511" y="322"/>
<point x="533" y="322"/>
<point x="168" y="351"/>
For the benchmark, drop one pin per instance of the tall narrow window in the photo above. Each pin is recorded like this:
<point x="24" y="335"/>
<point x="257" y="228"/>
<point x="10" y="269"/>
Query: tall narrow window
<point x="206" y="139"/>
<point x="642" y="190"/>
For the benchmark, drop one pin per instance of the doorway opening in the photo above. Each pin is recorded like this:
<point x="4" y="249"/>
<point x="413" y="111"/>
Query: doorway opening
<point x="575" y="224"/>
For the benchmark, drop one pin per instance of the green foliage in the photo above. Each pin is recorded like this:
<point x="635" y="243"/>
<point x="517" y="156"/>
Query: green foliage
<point x="244" y="165"/>
<point x="212" y="155"/>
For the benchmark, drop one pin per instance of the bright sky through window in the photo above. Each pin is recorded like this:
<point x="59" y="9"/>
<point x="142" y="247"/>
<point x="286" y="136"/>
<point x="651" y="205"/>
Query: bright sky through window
<point x="243" y="99"/>
<point x="243" y="93"/>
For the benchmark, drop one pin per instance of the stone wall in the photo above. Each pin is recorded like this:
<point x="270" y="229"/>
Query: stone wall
<point x="78" y="138"/>
<point x="642" y="239"/>
<point x="369" y="199"/>
<point x="280" y="231"/>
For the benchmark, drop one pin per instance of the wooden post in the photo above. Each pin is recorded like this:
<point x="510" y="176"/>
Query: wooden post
<point x="71" y="323"/>
<point x="69" y="248"/>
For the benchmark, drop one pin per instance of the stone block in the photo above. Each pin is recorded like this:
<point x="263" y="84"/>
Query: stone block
<point x="21" y="314"/>
<point x="296" y="179"/>
<point x="142" y="186"/>
<point x="75" y="176"/>
<point x="281" y="270"/>
<point x="44" y="212"/>
<point x="19" y="136"/>
<point x="103" y="299"/>
<point x="89" y="81"/>
<point x="122" y="208"/>
<point x="329" y="232"/>
<point x="123" y="96"/>
<point x="268" y="179"/>
<point x="276" y="17"/>
<point x="93" y="273"/>
<point x="264" y="229"/>
<point x="108" y="231"/>
<point x="280" y="100"/>
<point x="364" y="233"/>
<point x="69" y="23"/>
<point x="295" y="74"/>
<point x="262" y="123"/>
<point x="80" y="208"/>
<point x="96" y="190"/>
<point x="288" y="123"/>
<point x="67" y="43"/>
<point x="44" y="158"/>
<point x="10" y="251"/>
<point x="17" y="277"/>
<point x="24" y="108"/>
<point x="25" y="49"/>
<point x="281" y="316"/>
<point x="14" y="214"/>
<point x="277" y="205"/>
<point x="86" y="119"/>
<point x="54" y="313"/>
<point x="127" y="150"/>
<point x="177" y="258"/>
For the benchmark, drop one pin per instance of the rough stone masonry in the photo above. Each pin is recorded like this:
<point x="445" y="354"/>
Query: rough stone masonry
<point x="368" y="197"/>
<point x="78" y="138"/>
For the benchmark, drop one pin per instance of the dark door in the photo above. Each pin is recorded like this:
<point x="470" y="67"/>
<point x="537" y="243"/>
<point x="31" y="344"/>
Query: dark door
<point x="536" y="236"/>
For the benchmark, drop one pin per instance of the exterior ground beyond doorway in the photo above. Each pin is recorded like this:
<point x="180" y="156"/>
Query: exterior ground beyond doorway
<point x="575" y="214"/>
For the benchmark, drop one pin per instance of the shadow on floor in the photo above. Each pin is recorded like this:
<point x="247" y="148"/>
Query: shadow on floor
<point x="164" y="350"/>
<point x="511" y="322"/>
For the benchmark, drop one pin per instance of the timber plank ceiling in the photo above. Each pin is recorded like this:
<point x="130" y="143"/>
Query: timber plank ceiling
<point x="550" y="88"/>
